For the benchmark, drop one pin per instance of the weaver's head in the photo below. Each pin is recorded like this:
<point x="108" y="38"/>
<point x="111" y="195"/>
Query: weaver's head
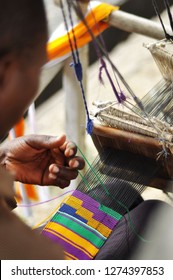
<point x="23" y="38"/>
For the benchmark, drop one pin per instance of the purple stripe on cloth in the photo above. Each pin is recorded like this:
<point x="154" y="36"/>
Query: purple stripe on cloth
<point x="105" y="219"/>
<point x="86" y="198"/>
<point x="99" y="216"/>
<point x="92" y="205"/>
<point x="68" y="247"/>
<point x="89" y="206"/>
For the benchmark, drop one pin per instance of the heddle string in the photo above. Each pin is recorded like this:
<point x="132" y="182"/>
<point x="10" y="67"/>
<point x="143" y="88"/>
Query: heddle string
<point x="167" y="35"/>
<point x="76" y="61"/>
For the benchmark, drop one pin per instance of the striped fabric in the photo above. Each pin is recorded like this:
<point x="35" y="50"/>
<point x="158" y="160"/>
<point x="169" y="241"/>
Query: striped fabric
<point x="81" y="226"/>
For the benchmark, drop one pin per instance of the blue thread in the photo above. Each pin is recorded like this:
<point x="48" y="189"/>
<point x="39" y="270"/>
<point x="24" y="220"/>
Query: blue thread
<point x="78" y="68"/>
<point x="79" y="75"/>
<point x="90" y="126"/>
<point x="78" y="71"/>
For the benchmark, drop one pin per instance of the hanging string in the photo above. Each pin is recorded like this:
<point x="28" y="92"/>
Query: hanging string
<point x="79" y="74"/>
<point x="104" y="66"/>
<point x="111" y="196"/>
<point x="169" y="13"/>
<point x="122" y="95"/>
<point x="66" y="26"/>
<point x="167" y="36"/>
<point x="95" y="40"/>
<point x="76" y="62"/>
<point x="88" y="185"/>
<point x="74" y="37"/>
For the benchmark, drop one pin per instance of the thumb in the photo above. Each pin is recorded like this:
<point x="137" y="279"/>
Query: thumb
<point x="45" y="141"/>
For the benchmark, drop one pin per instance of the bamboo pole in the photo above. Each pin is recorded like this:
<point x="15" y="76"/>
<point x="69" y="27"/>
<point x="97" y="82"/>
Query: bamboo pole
<point x="135" y="24"/>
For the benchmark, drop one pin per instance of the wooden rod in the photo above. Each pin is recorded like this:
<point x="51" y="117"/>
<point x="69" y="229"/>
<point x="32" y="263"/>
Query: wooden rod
<point x="135" y="24"/>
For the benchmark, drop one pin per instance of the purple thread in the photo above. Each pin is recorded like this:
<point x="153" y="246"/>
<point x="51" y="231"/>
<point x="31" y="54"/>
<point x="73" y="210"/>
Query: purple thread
<point x="100" y="75"/>
<point x="122" y="96"/>
<point x="110" y="80"/>
<point x="43" y="202"/>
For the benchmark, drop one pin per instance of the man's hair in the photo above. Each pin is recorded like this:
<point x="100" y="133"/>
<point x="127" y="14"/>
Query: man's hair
<point x="22" y="24"/>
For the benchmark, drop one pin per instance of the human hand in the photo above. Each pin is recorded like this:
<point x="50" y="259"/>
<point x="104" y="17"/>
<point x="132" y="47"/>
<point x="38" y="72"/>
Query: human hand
<point x="42" y="160"/>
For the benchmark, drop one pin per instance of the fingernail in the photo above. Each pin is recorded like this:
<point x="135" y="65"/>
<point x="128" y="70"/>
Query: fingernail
<point x="52" y="176"/>
<point x="75" y="164"/>
<point x="55" y="169"/>
<point x="71" y="152"/>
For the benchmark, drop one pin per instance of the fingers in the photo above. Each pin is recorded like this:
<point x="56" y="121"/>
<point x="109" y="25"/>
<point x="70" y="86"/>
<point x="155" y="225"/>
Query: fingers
<point x="45" y="141"/>
<point x="64" y="152"/>
<point x="63" y="172"/>
<point x="56" y="181"/>
<point x="69" y="149"/>
<point x="76" y="163"/>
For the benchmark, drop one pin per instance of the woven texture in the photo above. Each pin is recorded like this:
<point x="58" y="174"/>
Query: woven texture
<point x="81" y="226"/>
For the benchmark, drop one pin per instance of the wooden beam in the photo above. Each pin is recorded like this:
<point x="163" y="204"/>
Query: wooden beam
<point x="135" y="24"/>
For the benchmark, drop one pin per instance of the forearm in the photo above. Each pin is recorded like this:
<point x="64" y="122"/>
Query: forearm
<point x="6" y="188"/>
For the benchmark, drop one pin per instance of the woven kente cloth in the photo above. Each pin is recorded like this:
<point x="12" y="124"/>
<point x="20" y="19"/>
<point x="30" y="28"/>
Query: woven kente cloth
<point x="81" y="226"/>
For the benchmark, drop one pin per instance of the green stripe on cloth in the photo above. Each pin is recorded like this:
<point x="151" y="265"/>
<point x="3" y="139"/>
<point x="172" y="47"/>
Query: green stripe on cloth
<point x="110" y="212"/>
<point x="78" y="228"/>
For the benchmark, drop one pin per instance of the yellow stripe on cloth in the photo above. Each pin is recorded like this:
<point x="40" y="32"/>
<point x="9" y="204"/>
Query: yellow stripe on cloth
<point x="68" y="241"/>
<point x="88" y="215"/>
<point x="96" y="21"/>
<point x="104" y="230"/>
<point x="70" y="235"/>
<point x="74" y="201"/>
<point x="69" y="256"/>
<point x="77" y="204"/>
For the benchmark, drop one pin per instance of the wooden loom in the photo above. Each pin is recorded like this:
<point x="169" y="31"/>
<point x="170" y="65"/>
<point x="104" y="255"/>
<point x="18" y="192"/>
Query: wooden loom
<point x="80" y="208"/>
<point x="146" y="147"/>
<point x="125" y="146"/>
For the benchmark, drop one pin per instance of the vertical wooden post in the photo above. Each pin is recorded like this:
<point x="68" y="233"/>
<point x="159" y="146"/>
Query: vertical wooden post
<point x="74" y="106"/>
